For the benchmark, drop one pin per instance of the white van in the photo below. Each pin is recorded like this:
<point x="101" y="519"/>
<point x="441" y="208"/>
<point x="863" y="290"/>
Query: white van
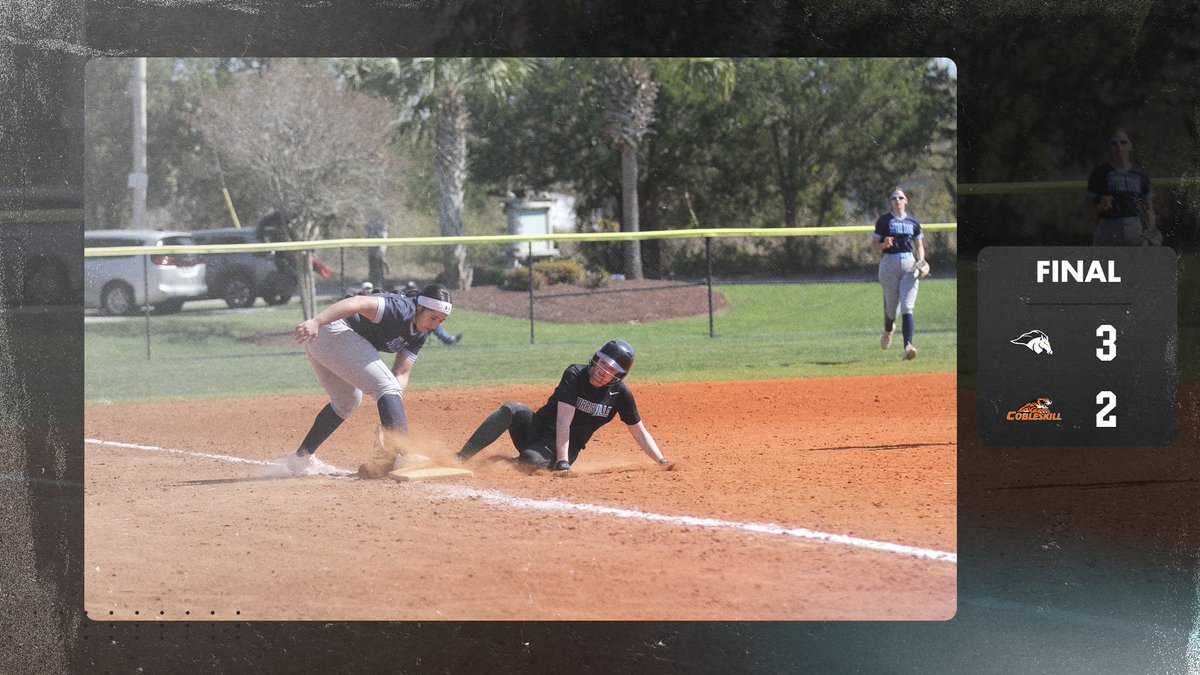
<point x="123" y="284"/>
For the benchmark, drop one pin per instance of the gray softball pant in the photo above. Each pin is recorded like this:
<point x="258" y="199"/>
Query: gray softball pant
<point x="1118" y="232"/>
<point x="899" y="284"/>
<point x="347" y="365"/>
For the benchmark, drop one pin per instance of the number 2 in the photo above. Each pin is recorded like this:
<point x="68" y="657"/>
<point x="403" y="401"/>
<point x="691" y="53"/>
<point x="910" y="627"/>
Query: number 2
<point x="1109" y="401"/>
<point x="1108" y="342"/>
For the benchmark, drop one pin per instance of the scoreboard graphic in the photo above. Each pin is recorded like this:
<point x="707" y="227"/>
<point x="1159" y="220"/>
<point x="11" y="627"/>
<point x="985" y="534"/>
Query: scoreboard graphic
<point x="1077" y="346"/>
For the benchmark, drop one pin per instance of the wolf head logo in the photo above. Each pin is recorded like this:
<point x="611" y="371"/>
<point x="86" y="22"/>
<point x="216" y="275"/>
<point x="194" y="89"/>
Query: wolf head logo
<point x="1035" y="340"/>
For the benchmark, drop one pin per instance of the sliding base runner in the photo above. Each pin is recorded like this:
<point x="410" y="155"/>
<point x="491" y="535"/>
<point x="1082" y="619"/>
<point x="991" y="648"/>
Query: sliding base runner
<point x="1077" y="346"/>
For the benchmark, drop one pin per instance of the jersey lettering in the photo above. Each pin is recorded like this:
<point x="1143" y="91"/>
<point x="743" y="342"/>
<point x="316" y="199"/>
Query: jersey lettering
<point x="593" y="409"/>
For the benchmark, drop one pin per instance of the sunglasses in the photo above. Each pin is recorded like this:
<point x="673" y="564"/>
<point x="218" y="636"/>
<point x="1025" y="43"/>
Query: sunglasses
<point x="897" y="198"/>
<point x="1118" y="141"/>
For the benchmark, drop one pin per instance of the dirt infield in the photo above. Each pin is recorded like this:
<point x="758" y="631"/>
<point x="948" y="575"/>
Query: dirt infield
<point x="739" y="530"/>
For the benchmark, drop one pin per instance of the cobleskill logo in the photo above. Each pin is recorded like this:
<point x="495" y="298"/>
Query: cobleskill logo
<point x="1037" y="410"/>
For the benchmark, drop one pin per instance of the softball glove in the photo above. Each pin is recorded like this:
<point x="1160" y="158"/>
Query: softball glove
<point x="1152" y="236"/>
<point x="921" y="269"/>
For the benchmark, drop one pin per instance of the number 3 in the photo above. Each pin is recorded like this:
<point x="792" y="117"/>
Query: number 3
<point x="1108" y="349"/>
<point x="1109" y="401"/>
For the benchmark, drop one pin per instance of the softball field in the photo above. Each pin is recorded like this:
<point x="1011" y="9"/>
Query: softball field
<point x="808" y="499"/>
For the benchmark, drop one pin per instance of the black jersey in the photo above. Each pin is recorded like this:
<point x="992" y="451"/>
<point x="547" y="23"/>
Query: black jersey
<point x="392" y="329"/>
<point x="593" y="407"/>
<point x="1126" y="188"/>
<point x="903" y="231"/>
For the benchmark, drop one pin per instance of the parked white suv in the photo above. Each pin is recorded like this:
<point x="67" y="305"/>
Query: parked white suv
<point x="123" y="284"/>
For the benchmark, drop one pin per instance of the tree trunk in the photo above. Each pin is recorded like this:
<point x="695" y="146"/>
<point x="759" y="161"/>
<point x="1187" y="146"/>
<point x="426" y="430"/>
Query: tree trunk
<point x="450" y="162"/>
<point x="308" y="284"/>
<point x="650" y="196"/>
<point x="377" y="266"/>
<point x="629" y="210"/>
<point x="791" y="245"/>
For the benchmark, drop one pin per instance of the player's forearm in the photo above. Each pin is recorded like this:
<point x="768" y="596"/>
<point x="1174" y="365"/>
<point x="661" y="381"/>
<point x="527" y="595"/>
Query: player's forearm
<point x="308" y="329"/>
<point x="401" y="371"/>
<point x="562" y="432"/>
<point x="344" y="308"/>
<point x="646" y="441"/>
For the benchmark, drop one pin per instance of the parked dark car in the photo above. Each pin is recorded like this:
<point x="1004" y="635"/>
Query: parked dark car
<point x="240" y="278"/>
<point x="41" y="262"/>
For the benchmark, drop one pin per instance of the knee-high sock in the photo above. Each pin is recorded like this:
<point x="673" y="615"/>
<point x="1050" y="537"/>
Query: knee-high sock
<point x="391" y="413"/>
<point x="492" y="428"/>
<point x="889" y="324"/>
<point x="907" y="327"/>
<point x="326" y="423"/>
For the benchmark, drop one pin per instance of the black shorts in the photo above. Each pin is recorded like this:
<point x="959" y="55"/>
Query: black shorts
<point x="531" y="448"/>
<point x="540" y="455"/>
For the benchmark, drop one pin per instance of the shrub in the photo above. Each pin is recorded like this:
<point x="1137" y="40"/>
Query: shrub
<point x="488" y="276"/>
<point x="518" y="279"/>
<point x="560" y="271"/>
<point x="596" y="277"/>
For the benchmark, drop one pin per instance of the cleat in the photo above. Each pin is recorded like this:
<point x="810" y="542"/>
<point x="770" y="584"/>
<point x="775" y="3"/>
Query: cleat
<point x="910" y="352"/>
<point x="886" y="340"/>
<point x="298" y="462"/>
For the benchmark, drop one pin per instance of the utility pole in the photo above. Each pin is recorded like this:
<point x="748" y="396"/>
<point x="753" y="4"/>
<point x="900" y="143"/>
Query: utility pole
<point x="138" y="180"/>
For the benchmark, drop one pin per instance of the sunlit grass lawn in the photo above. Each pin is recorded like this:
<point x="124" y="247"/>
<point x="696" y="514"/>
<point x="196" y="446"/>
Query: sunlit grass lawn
<point x="769" y="331"/>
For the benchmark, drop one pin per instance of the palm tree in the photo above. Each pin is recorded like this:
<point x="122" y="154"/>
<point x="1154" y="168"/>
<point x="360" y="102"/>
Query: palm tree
<point x="432" y="94"/>
<point x="631" y="90"/>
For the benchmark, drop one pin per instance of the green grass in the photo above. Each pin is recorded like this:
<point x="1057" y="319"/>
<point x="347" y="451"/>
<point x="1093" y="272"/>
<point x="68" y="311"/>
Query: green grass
<point x="769" y="331"/>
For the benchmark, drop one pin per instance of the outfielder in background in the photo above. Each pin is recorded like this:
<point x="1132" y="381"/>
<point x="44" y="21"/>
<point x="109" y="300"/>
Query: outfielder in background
<point x="1121" y="196"/>
<point x="343" y="343"/>
<point x="587" y="398"/>
<point x="898" y="237"/>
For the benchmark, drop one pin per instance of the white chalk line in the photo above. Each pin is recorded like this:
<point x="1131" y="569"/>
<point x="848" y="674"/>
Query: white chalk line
<point x="494" y="497"/>
<point x="190" y="453"/>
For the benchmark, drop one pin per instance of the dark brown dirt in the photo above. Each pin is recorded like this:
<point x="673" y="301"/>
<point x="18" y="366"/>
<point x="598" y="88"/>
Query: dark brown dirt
<point x="620" y="302"/>
<point x="631" y="301"/>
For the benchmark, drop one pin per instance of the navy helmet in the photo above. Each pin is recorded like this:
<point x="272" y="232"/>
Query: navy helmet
<point x="618" y="355"/>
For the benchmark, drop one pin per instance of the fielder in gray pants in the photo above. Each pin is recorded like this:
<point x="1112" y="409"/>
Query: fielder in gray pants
<point x="898" y="237"/>
<point x="343" y="344"/>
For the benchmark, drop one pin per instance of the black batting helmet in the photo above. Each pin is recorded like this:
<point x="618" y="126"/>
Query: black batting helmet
<point x="618" y="355"/>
